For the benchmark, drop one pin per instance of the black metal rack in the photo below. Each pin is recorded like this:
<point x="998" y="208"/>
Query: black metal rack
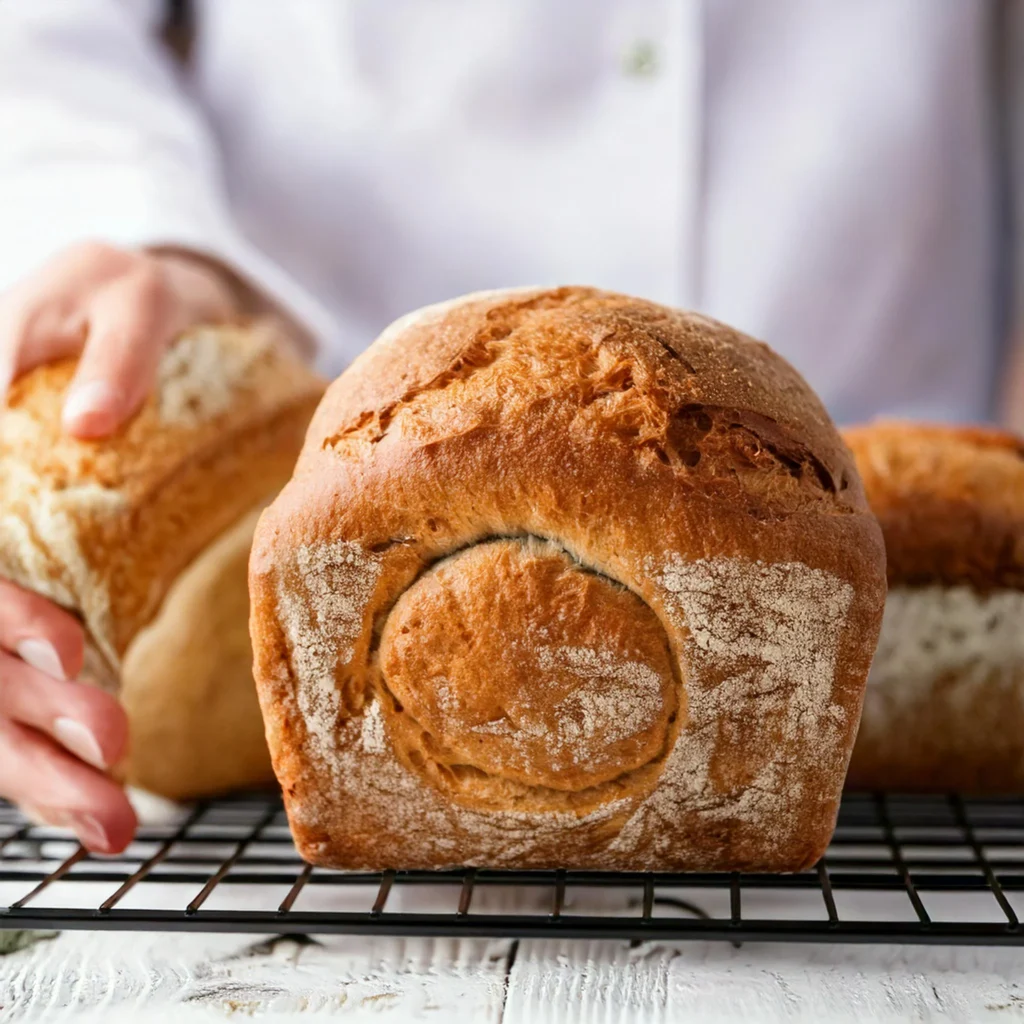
<point x="899" y="869"/>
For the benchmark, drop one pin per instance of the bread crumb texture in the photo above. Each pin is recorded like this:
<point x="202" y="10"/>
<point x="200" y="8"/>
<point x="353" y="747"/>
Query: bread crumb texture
<point x="565" y="578"/>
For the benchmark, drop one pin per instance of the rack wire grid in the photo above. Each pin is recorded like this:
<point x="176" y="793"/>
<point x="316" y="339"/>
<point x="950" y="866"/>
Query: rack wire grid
<point x="899" y="869"/>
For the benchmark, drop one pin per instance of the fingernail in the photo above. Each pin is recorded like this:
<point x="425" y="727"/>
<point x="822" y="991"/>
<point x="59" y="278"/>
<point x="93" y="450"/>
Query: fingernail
<point x="41" y="655"/>
<point x="79" y="740"/>
<point x="91" y="405"/>
<point x="89" y="831"/>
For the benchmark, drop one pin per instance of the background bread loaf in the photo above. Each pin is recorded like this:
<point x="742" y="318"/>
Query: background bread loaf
<point x="565" y="578"/>
<point x="944" y="708"/>
<point x="108" y="528"/>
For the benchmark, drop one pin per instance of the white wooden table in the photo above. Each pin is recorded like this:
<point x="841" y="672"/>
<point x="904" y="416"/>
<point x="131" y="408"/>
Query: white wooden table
<point x="142" y="978"/>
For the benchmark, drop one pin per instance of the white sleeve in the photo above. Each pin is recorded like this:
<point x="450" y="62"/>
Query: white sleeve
<point x="99" y="142"/>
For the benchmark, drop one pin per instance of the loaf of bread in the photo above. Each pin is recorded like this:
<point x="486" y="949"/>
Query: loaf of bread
<point x="944" y="708"/>
<point x="146" y="537"/>
<point x="565" y="578"/>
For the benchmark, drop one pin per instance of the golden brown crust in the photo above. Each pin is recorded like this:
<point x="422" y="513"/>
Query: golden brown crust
<point x="661" y="451"/>
<point x="105" y="528"/>
<point x="950" y="501"/>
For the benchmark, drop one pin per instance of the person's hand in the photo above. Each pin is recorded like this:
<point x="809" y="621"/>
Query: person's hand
<point x="58" y="736"/>
<point x="119" y="309"/>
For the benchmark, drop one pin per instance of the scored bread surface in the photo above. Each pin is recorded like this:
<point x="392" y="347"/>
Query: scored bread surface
<point x="565" y="578"/>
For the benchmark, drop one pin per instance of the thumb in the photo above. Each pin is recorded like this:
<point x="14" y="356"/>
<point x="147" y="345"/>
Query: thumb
<point x="129" y="329"/>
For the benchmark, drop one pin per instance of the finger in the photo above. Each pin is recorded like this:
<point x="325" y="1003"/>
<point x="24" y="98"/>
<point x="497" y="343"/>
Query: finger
<point x="130" y="325"/>
<point x="38" y="631"/>
<point x="83" y="719"/>
<point x="43" y="317"/>
<point x="36" y="332"/>
<point x="60" y="789"/>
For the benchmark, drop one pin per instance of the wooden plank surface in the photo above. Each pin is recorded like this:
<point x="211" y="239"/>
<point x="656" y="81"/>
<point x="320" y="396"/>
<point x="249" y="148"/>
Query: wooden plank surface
<point x="144" y="978"/>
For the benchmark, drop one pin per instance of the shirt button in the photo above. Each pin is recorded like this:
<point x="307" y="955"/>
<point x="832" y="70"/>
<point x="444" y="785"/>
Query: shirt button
<point x="640" y="60"/>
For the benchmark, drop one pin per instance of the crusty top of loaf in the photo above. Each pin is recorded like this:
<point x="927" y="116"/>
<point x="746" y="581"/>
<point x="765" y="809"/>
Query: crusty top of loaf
<point x="103" y="527"/>
<point x="950" y="501"/>
<point x="680" y="385"/>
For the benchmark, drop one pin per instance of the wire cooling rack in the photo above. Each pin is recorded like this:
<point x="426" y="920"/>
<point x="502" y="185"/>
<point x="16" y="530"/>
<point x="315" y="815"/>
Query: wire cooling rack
<point x="900" y="869"/>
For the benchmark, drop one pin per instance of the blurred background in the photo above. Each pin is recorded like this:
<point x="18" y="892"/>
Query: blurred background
<point x="835" y="177"/>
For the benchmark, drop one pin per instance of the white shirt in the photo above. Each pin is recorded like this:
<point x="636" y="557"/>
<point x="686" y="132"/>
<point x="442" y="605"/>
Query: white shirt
<point x="818" y="173"/>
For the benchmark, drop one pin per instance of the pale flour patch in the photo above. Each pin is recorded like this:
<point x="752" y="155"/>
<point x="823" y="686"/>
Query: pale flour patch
<point x="377" y="779"/>
<point x="25" y="562"/>
<point x="760" y="643"/>
<point x="936" y="632"/>
<point x="198" y="376"/>
<point x="617" y="698"/>
<point x="500" y="727"/>
<point x="322" y="610"/>
<point x="446" y="700"/>
<point x="55" y="521"/>
<point x="372" y="732"/>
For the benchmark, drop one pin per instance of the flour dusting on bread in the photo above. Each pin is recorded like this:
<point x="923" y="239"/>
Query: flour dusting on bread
<point x="372" y="729"/>
<point x="936" y="633"/>
<point x="43" y="549"/>
<point x="758" y="640"/>
<point x="372" y="773"/>
<point x="323" y="611"/>
<point x="760" y="647"/>
<point x="617" y="698"/>
<point x="199" y="376"/>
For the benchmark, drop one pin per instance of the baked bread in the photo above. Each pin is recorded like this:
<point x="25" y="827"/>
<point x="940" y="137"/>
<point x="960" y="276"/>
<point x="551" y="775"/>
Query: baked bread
<point x="944" y="709"/>
<point x="565" y="578"/>
<point x="146" y="537"/>
<point x="186" y="680"/>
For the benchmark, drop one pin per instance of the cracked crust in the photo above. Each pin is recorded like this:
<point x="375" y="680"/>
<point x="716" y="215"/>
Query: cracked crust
<point x="106" y="528"/>
<point x="672" y="486"/>
<point x="950" y="501"/>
